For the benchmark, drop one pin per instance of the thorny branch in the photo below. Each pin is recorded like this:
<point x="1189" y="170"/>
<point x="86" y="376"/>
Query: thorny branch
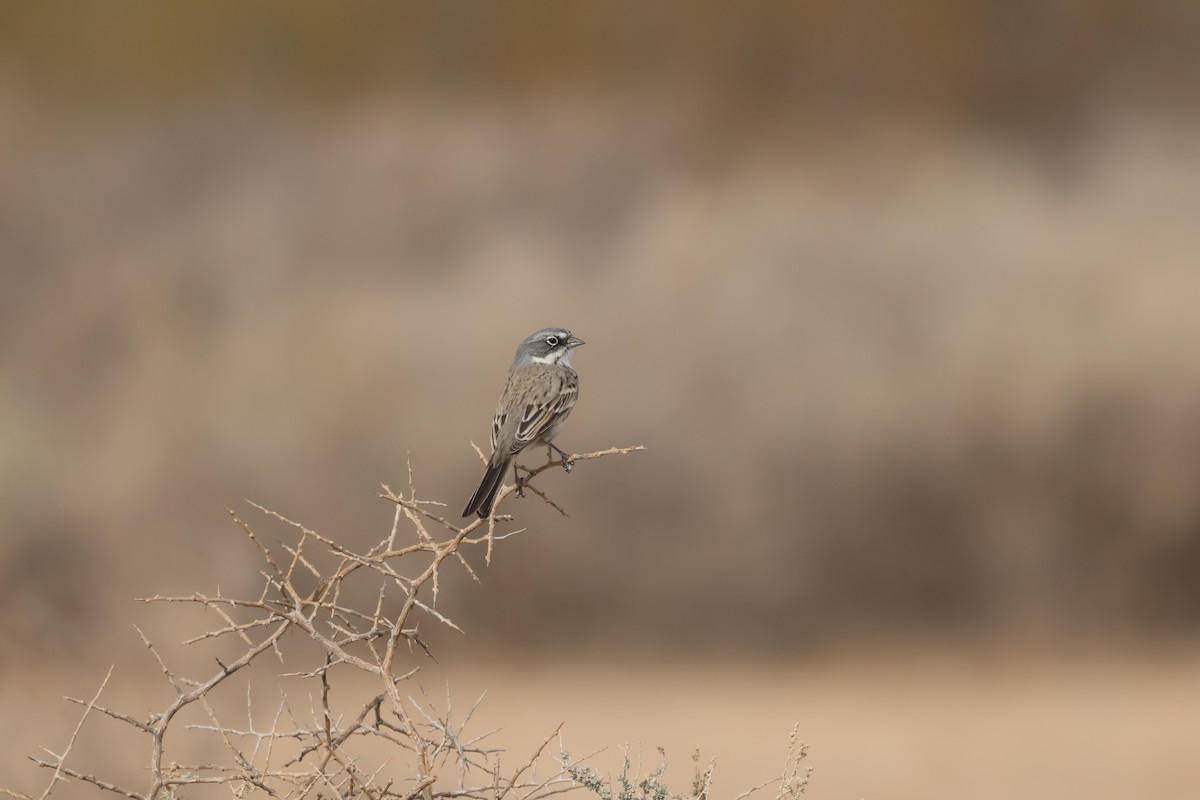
<point x="332" y="750"/>
<point x="305" y="590"/>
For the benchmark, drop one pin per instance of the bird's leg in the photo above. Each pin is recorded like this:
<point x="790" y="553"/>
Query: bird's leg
<point x="566" y="458"/>
<point x="520" y="481"/>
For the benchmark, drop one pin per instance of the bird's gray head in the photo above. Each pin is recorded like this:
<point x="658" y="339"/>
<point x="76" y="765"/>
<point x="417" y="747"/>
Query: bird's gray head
<point x="547" y="346"/>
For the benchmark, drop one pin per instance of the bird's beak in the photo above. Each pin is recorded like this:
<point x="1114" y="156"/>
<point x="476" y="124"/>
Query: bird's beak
<point x="574" y="341"/>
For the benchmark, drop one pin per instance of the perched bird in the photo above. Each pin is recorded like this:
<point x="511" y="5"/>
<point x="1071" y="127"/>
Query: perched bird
<point x="536" y="400"/>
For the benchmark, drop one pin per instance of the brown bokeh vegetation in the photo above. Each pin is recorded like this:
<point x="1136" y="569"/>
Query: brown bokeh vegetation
<point x="901" y="298"/>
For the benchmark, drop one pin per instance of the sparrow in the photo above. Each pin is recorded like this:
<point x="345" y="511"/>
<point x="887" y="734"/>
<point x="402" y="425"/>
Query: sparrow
<point x="538" y="396"/>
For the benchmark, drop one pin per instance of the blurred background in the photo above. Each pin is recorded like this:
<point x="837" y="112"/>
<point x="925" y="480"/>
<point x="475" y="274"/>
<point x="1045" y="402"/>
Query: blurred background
<point x="902" y="298"/>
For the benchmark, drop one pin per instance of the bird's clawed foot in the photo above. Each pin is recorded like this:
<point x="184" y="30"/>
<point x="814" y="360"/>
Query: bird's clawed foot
<point x="520" y="482"/>
<point x="566" y="457"/>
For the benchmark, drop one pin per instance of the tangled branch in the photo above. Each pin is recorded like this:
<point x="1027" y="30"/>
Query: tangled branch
<point x="300" y="754"/>
<point x="331" y="749"/>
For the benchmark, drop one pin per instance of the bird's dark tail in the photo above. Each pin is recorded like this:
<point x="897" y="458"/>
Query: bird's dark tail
<point x="481" y="502"/>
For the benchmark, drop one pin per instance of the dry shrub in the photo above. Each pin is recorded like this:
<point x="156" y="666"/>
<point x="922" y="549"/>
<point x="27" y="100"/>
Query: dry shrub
<point x="307" y="632"/>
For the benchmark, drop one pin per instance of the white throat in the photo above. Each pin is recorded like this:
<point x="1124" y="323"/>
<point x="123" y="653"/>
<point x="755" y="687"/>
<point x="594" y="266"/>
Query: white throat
<point x="562" y="357"/>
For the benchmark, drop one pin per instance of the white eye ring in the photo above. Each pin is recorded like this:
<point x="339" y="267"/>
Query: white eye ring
<point x="552" y="341"/>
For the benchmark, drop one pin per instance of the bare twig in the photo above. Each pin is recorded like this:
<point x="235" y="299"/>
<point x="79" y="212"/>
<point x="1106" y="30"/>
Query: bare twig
<point x="59" y="769"/>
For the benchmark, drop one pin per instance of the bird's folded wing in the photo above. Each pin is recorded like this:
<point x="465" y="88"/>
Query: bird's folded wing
<point x="538" y="417"/>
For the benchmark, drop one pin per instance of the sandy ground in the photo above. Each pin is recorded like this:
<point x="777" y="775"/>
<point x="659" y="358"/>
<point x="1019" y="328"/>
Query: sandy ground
<point x="884" y="726"/>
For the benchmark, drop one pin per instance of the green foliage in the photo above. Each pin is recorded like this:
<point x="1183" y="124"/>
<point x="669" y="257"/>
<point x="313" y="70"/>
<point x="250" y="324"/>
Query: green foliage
<point x="789" y="785"/>
<point x="632" y="787"/>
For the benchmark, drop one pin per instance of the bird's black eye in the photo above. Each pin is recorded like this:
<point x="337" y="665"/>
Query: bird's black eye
<point x="552" y="341"/>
